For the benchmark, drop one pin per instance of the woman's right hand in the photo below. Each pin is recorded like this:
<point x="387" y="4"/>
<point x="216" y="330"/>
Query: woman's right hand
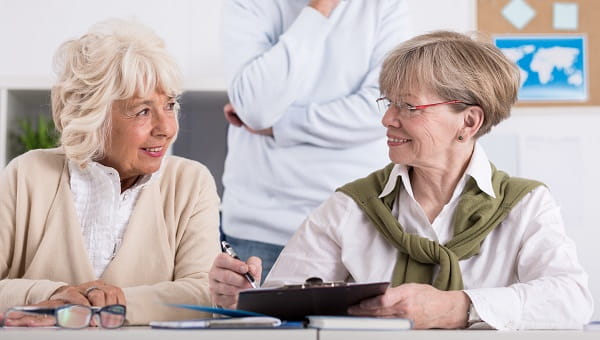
<point x="23" y="319"/>
<point x="92" y="293"/>
<point x="226" y="278"/>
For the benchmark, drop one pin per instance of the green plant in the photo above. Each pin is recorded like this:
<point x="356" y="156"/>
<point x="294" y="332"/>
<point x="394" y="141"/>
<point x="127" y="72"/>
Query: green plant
<point x="42" y="135"/>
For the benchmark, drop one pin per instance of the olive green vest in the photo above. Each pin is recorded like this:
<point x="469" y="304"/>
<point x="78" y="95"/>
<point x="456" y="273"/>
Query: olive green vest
<point x="476" y="215"/>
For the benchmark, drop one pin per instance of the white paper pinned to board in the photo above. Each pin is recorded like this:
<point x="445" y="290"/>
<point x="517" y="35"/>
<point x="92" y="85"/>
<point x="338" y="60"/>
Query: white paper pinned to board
<point x="565" y="16"/>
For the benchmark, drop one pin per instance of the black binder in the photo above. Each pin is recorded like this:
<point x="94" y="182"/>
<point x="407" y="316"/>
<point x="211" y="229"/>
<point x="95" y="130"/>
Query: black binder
<point x="295" y="302"/>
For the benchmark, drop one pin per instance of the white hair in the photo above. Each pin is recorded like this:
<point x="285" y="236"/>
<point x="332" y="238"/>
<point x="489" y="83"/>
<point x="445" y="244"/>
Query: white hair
<point x="115" y="60"/>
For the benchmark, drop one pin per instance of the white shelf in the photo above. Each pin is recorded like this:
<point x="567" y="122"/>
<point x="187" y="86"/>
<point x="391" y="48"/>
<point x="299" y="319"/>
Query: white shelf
<point x="17" y="103"/>
<point x="26" y="82"/>
<point x="45" y="83"/>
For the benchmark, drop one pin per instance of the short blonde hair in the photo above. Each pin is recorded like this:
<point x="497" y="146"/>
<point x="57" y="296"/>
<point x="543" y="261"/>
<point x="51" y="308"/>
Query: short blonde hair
<point x="455" y="67"/>
<point x="115" y="60"/>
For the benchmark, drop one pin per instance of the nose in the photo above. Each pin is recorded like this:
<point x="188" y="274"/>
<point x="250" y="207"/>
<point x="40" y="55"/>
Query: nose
<point x="165" y="124"/>
<point x="390" y="118"/>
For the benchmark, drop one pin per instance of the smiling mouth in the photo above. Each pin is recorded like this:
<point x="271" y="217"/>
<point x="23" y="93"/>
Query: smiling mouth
<point x="397" y="140"/>
<point x="155" y="149"/>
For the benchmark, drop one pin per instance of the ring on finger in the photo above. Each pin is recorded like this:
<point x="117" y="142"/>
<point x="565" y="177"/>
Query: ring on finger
<point x="89" y="290"/>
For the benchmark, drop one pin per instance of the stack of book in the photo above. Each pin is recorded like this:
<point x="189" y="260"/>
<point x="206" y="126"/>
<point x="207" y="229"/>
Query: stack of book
<point x="592" y="326"/>
<point x="356" y="322"/>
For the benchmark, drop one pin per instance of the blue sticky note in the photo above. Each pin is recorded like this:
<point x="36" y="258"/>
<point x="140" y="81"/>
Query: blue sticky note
<point x="217" y="310"/>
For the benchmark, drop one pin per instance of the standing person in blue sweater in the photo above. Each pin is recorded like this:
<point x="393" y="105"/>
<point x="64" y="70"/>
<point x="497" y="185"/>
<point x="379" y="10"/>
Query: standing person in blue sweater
<point x="302" y="80"/>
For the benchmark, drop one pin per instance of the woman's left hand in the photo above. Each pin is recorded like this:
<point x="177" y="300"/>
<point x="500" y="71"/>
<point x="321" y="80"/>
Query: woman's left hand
<point x="426" y="306"/>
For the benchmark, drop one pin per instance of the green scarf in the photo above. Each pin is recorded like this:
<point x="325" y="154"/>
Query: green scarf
<point x="476" y="215"/>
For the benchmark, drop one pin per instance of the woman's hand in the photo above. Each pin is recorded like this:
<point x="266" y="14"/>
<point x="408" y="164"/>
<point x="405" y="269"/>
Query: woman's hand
<point x="226" y="278"/>
<point x="24" y="319"/>
<point x="93" y="293"/>
<point x="426" y="306"/>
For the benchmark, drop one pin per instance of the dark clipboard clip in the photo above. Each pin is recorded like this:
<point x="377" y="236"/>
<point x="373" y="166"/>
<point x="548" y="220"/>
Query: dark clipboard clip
<point x="314" y="282"/>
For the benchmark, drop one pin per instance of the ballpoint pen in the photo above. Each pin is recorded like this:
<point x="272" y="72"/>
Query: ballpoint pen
<point x="229" y="251"/>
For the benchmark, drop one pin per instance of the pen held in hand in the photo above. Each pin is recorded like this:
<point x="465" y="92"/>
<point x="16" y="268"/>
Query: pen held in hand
<point x="229" y="251"/>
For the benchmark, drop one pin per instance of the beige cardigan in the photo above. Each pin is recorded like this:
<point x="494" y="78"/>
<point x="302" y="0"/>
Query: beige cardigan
<point x="167" y="249"/>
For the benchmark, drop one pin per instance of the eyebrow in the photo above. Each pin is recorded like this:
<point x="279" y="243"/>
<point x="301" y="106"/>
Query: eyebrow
<point x="147" y="102"/>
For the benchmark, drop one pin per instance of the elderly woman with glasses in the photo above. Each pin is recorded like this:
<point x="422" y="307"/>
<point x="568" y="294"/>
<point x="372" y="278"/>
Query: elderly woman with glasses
<point x="108" y="218"/>
<point x="460" y="241"/>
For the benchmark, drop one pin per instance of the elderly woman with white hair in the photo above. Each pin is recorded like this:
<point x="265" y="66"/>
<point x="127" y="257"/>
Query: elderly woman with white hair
<point x="107" y="218"/>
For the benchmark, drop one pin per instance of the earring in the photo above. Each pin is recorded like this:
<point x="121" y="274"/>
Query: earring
<point x="460" y="138"/>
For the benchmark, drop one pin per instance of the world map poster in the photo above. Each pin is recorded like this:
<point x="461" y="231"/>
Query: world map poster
<point x="553" y="68"/>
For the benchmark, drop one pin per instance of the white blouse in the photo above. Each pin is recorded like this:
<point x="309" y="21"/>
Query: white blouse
<point x="526" y="275"/>
<point x="102" y="209"/>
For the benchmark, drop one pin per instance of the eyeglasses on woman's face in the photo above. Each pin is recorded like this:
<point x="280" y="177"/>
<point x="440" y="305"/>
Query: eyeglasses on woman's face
<point x="72" y="316"/>
<point x="407" y="110"/>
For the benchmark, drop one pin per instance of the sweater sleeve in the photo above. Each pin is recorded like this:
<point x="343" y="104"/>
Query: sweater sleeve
<point x="197" y="246"/>
<point x="15" y="291"/>
<point x="353" y="119"/>
<point x="265" y="72"/>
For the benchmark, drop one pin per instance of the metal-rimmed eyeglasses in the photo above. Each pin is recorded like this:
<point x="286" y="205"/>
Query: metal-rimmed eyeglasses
<point x="73" y="316"/>
<point x="408" y="110"/>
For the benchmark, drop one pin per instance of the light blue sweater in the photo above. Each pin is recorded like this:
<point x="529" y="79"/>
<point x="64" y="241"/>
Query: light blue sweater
<point x="314" y="80"/>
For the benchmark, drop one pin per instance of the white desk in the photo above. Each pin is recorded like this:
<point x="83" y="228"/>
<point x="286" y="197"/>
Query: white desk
<point x="457" y="335"/>
<point x="144" y="333"/>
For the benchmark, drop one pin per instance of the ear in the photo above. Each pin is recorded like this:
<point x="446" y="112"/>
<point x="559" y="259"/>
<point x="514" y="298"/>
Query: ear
<point x="473" y="119"/>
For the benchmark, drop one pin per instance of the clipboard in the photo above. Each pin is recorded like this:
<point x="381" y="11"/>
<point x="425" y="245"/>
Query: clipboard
<point x="295" y="302"/>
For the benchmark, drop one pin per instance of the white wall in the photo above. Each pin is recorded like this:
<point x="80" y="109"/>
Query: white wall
<point x="32" y="30"/>
<point x="429" y="15"/>
<point x="556" y="145"/>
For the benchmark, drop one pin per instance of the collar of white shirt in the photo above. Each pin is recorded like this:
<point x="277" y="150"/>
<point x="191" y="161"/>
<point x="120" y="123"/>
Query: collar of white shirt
<point x="479" y="169"/>
<point x="95" y="169"/>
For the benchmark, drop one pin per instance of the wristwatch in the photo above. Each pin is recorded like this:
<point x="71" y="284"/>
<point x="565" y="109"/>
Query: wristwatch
<point x="472" y="316"/>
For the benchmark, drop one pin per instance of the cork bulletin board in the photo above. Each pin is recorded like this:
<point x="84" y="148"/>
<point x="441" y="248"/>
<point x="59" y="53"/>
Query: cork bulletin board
<point x="541" y="22"/>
